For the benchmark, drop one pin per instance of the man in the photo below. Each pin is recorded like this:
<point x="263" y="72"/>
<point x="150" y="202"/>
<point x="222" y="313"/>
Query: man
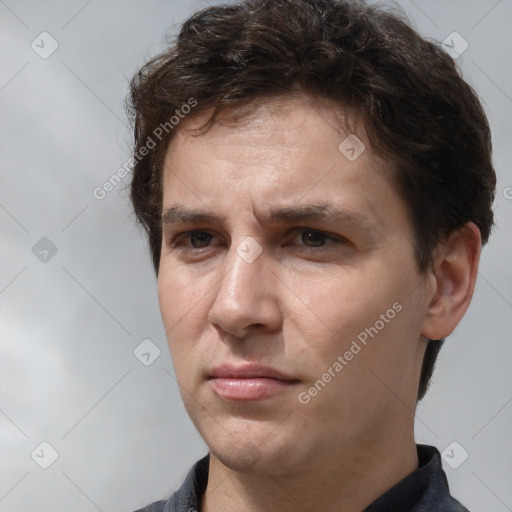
<point x="315" y="225"/>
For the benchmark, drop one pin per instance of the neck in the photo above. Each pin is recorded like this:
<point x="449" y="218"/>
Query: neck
<point x="347" y="479"/>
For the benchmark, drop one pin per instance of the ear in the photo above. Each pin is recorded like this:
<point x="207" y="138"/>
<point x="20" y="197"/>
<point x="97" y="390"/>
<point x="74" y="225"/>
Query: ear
<point x="454" y="273"/>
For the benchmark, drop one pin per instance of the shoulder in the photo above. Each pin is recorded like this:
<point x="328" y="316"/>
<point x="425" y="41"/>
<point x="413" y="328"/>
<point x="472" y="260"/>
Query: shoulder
<point x="436" y="494"/>
<point x="452" y="505"/>
<point x="188" y="497"/>
<point x="157" y="506"/>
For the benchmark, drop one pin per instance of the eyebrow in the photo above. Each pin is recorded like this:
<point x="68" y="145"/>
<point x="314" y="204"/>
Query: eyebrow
<point x="313" y="212"/>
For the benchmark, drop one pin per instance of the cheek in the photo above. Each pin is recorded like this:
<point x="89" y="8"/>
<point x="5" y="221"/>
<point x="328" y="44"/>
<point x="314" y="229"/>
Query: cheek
<point x="182" y="308"/>
<point x="374" y="312"/>
<point x="179" y="294"/>
<point x="168" y="300"/>
<point x="338" y="307"/>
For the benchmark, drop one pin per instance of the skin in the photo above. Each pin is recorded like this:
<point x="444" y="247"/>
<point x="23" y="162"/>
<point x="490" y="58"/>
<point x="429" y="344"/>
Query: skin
<point x="298" y="306"/>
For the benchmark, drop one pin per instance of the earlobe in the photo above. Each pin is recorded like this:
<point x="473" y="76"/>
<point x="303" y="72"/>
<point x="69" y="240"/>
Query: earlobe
<point x="454" y="272"/>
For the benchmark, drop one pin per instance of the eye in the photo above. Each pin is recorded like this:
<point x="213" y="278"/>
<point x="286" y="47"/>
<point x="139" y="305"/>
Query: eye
<point x="312" y="239"/>
<point x="200" y="239"/>
<point x="193" y="239"/>
<point x="306" y="238"/>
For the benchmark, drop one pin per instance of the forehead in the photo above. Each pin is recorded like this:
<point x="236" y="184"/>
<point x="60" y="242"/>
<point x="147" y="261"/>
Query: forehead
<point x="273" y="130"/>
<point x="284" y="152"/>
<point x="291" y="120"/>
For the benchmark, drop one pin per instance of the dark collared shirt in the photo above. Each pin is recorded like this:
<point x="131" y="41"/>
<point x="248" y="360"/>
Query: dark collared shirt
<point x="424" y="490"/>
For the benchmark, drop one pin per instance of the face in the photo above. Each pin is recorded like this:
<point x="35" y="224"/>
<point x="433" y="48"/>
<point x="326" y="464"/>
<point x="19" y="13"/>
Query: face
<point x="288" y="288"/>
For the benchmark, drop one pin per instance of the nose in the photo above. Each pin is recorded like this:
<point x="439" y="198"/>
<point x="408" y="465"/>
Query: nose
<point x="246" y="298"/>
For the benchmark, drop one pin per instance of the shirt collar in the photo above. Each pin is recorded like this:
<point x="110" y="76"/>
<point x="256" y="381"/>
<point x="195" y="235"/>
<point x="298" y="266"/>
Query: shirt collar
<point x="424" y="489"/>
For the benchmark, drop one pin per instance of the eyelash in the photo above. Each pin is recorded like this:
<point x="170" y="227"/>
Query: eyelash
<point x="178" y="240"/>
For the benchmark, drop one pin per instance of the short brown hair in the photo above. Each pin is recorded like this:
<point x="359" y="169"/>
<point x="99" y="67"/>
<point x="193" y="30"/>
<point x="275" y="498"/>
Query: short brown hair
<point x="417" y="111"/>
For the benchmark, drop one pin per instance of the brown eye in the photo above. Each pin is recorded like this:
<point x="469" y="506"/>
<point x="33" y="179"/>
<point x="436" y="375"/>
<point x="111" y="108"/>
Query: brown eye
<point x="200" y="239"/>
<point x="313" y="238"/>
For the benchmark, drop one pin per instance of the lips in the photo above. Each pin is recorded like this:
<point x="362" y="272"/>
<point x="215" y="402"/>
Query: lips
<point x="248" y="382"/>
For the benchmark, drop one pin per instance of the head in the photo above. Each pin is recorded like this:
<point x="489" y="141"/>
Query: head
<point x="245" y="119"/>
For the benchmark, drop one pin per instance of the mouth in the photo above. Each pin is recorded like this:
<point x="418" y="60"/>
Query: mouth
<point x="248" y="382"/>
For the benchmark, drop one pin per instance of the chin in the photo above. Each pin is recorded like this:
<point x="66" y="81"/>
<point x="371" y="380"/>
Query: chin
<point x="257" y="449"/>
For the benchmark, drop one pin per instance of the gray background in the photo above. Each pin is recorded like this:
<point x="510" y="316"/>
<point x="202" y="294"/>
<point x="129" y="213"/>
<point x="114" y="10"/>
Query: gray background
<point x="70" y="321"/>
